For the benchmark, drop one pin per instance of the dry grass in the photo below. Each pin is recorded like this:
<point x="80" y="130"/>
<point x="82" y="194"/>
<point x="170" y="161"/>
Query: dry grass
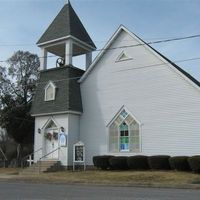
<point x="153" y="178"/>
<point x="159" y="178"/>
<point x="9" y="171"/>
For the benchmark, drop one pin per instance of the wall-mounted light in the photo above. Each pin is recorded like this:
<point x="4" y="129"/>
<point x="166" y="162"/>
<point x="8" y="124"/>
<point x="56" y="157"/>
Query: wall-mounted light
<point x="39" y="130"/>
<point x="62" y="129"/>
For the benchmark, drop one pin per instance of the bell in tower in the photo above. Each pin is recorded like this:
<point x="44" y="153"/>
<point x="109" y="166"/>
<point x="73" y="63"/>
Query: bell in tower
<point x="66" y="37"/>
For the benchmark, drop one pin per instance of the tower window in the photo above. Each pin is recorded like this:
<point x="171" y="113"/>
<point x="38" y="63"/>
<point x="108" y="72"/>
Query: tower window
<point x="50" y="92"/>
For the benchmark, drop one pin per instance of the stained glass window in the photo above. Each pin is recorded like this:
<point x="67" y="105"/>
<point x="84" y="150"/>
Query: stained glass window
<point x="124" y="134"/>
<point x="123" y="113"/>
<point x="124" y="137"/>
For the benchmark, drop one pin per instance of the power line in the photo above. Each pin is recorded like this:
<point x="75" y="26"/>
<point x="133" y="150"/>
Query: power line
<point x="128" y="46"/>
<point x="132" y="68"/>
<point x="89" y="42"/>
<point x="160" y="64"/>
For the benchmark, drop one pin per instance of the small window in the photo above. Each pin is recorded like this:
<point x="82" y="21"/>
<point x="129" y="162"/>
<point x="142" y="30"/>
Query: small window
<point x="123" y="56"/>
<point x="50" y="92"/>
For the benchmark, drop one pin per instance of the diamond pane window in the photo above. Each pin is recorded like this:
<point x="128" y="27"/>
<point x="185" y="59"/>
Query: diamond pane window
<point x="123" y="114"/>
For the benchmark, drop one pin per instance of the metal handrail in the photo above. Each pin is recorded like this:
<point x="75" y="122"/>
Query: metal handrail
<point x="3" y="154"/>
<point x="46" y="156"/>
<point x="29" y="155"/>
<point x="5" y="158"/>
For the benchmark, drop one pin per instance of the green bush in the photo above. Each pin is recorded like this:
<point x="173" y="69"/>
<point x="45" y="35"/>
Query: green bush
<point x="179" y="163"/>
<point x="159" y="162"/>
<point x="118" y="163"/>
<point x="102" y="162"/>
<point x="138" y="162"/>
<point x="194" y="162"/>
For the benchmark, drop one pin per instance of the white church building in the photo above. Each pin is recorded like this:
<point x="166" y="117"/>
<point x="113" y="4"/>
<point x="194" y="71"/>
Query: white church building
<point x="130" y="100"/>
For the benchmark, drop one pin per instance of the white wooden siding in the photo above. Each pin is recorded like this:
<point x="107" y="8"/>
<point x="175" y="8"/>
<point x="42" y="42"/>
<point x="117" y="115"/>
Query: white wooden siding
<point x="167" y="105"/>
<point x="74" y="130"/>
<point x="62" y="121"/>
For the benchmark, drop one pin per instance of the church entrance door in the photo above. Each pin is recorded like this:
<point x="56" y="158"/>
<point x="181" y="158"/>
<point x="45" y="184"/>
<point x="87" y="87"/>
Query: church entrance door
<point x="51" y="142"/>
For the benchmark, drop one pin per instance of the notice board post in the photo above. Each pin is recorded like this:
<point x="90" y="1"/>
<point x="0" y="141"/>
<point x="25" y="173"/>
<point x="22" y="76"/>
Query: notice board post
<point x="79" y="155"/>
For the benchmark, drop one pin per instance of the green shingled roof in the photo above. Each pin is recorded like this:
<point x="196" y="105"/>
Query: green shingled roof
<point x="68" y="95"/>
<point x="66" y="23"/>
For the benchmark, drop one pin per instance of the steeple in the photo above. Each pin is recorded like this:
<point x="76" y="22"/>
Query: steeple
<point x="66" y="37"/>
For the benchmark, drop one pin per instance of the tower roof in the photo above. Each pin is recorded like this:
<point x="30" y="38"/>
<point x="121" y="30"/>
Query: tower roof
<point x="66" y="23"/>
<point x="68" y="94"/>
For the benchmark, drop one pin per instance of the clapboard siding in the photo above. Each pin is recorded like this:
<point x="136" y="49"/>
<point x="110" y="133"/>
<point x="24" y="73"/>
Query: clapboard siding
<point x="73" y="135"/>
<point x="165" y="102"/>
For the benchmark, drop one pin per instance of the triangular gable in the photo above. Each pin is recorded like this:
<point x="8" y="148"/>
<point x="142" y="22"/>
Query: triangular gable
<point x="176" y="68"/>
<point x="123" y="56"/>
<point x="122" y="110"/>
<point x="50" y="124"/>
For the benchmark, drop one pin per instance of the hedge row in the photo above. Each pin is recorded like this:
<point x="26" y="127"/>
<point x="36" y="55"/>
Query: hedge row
<point x="140" y="162"/>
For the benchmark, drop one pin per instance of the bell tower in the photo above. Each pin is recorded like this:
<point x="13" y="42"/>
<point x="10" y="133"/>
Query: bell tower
<point x="66" y="37"/>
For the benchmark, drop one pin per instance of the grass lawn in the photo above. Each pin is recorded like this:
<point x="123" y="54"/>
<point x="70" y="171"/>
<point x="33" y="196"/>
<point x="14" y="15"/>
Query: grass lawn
<point x="154" y="178"/>
<point x="126" y="178"/>
<point x="9" y="171"/>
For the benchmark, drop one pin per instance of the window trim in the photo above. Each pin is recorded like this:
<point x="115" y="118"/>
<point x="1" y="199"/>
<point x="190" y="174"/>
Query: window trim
<point x="50" y="83"/>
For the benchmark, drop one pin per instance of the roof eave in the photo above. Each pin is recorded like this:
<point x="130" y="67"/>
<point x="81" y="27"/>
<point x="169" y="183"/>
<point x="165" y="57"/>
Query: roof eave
<point x="63" y="39"/>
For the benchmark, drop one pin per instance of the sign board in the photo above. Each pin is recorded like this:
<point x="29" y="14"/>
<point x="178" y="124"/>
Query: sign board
<point x="62" y="139"/>
<point x="79" y="154"/>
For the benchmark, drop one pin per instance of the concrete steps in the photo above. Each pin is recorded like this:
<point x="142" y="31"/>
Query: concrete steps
<point x="43" y="167"/>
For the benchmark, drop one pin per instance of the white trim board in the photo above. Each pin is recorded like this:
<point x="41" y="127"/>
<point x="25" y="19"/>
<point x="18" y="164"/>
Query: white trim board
<point x="57" y="113"/>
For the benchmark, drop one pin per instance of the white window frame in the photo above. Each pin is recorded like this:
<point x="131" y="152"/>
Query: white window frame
<point x="108" y="132"/>
<point x="50" y="84"/>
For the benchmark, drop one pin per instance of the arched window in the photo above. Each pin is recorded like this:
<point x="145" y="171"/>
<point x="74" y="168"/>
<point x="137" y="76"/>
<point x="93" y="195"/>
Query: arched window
<point x="124" y="134"/>
<point x="50" y="92"/>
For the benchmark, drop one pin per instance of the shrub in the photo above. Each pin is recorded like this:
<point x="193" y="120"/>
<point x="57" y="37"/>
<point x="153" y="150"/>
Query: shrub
<point x="179" y="163"/>
<point x="138" y="162"/>
<point x="102" y="162"/>
<point x="194" y="163"/>
<point x="160" y="162"/>
<point x="118" y="163"/>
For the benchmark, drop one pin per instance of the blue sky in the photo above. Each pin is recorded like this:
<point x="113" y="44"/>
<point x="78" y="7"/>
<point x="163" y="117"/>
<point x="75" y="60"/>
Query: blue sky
<point x="23" y="22"/>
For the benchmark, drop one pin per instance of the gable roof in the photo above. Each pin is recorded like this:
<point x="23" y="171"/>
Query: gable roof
<point x="68" y="95"/>
<point x="115" y="35"/>
<point x="66" y="23"/>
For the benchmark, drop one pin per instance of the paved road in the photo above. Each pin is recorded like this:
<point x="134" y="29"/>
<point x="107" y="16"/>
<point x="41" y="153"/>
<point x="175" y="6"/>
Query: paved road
<point x="38" y="191"/>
